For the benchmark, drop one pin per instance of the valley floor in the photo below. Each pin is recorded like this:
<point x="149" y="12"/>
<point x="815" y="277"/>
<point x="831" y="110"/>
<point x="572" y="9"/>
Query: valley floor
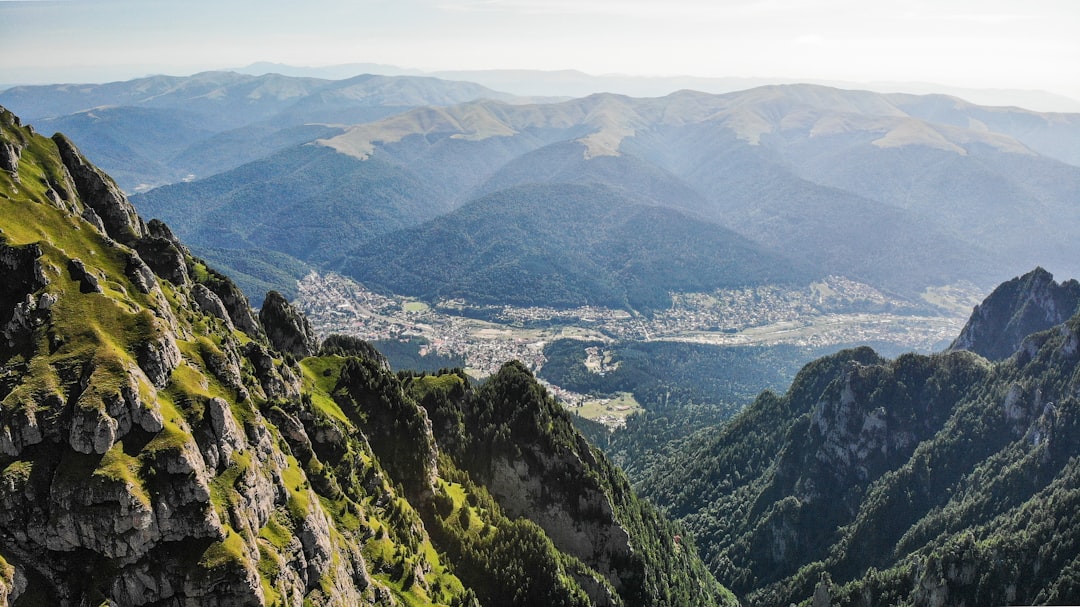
<point x="835" y="311"/>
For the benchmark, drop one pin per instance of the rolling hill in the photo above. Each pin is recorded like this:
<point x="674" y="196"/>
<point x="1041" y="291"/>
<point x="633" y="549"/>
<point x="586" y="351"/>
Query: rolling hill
<point x="565" y="246"/>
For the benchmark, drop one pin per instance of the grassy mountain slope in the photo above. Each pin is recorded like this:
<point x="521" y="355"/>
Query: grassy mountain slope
<point x="564" y="246"/>
<point x="941" y="479"/>
<point x="1053" y="135"/>
<point x="157" y="447"/>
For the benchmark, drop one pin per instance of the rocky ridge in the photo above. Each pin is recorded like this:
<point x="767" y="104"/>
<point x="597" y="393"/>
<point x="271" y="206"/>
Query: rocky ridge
<point x="1024" y="305"/>
<point x="159" y="444"/>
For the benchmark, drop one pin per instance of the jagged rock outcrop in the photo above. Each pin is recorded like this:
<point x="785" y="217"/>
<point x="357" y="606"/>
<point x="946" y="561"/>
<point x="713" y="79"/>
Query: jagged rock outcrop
<point x="286" y="328"/>
<point x="163" y="253"/>
<point x="524" y="449"/>
<point x="20" y="309"/>
<point x="88" y="282"/>
<point x="98" y="191"/>
<point x="236" y="303"/>
<point x="210" y="303"/>
<point x="1015" y="309"/>
<point x="139" y="273"/>
<point x="276" y="381"/>
<point x="10" y="148"/>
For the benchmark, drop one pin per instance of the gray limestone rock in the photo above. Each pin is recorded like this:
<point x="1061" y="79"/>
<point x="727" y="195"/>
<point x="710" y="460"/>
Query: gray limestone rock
<point x="211" y="304"/>
<point x="98" y="191"/>
<point x="165" y="258"/>
<point x="9" y="157"/>
<point x="158" y="357"/>
<point x="1017" y="308"/>
<point x="139" y="273"/>
<point x="287" y="329"/>
<point x="88" y="282"/>
<point x="23" y="276"/>
<point x="237" y="304"/>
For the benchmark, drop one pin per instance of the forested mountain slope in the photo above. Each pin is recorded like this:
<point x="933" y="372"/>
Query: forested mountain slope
<point x="566" y="246"/>
<point x="944" y="479"/>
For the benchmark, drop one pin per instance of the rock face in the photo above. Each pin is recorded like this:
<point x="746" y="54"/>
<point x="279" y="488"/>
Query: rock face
<point x="88" y="282"/>
<point x="211" y="304"/>
<point x="10" y="150"/>
<point x="23" y="275"/>
<point x="1024" y="305"/>
<point x="236" y="304"/>
<point x="286" y="328"/>
<point x="99" y="192"/>
<point x="135" y="464"/>
<point x="537" y="467"/>
<point x="163" y="253"/>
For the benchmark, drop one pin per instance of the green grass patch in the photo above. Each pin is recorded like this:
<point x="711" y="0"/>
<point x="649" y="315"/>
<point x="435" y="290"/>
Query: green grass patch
<point x="174" y="434"/>
<point x="320" y="375"/>
<point x="119" y="466"/>
<point x="278" y="534"/>
<point x="40" y="382"/>
<point x="200" y="273"/>
<point x="456" y="492"/>
<point x="226" y="552"/>
<point x="445" y="383"/>
<point x="189" y="381"/>
<point x="223" y="486"/>
<point x="270" y="566"/>
<point x="297" y="485"/>
<point x="618" y="407"/>
<point x="17" y="473"/>
<point x="344" y="513"/>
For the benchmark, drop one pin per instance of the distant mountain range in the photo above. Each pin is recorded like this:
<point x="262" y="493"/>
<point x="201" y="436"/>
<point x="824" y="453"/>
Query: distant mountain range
<point x="899" y="191"/>
<point x="574" y="83"/>
<point x="160" y="129"/>
<point x="891" y="190"/>
<point x="565" y="246"/>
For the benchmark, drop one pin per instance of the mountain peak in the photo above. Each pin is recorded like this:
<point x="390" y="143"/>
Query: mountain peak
<point x="1024" y="305"/>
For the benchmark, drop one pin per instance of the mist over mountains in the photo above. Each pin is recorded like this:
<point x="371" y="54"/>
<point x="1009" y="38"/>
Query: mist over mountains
<point x="899" y="191"/>
<point x="575" y="83"/>
<point x="161" y="129"/>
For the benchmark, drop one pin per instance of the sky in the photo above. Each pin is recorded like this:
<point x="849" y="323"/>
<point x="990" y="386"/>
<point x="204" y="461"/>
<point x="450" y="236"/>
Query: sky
<point x="1007" y="44"/>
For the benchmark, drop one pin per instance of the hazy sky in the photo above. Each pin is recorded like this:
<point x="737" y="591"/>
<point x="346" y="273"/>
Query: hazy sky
<point x="1032" y="44"/>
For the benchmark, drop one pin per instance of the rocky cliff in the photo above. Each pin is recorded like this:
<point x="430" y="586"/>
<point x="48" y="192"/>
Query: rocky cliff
<point x="159" y="444"/>
<point x="1024" y="305"/>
